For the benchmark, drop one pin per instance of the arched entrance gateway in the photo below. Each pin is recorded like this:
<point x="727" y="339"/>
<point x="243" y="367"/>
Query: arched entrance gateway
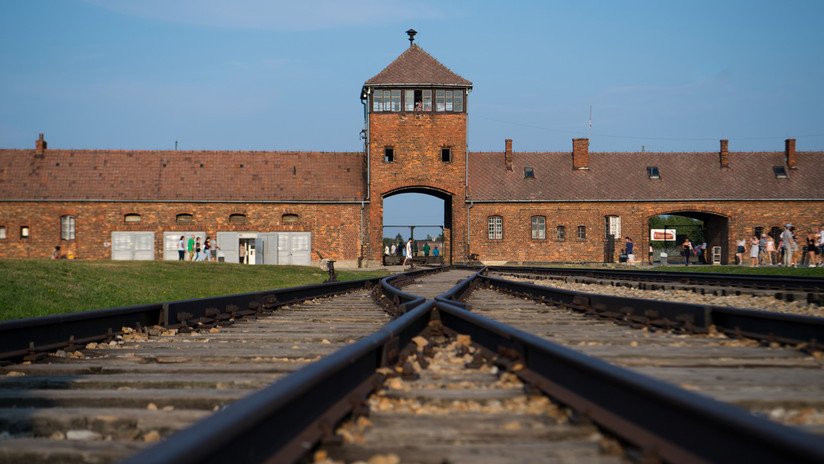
<point x="667" y="230"/>
<point x="433" y="233"/>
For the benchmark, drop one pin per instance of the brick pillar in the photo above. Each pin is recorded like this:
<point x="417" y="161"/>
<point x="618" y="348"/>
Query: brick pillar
<point x="508" y="154"/>
<point x="40" y="146"/>
<point x="580" y="153"/>
<point x="789" y="151"/>
<point x="724" y="154"/>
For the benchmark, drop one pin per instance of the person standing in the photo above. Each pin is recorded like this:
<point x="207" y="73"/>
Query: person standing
<point x="426" y="249"/>
<point x="181" y="248"/>
<point x="739" y="251"/>
<point x="787" y="244"/>
<point x="207" y="249"/>
<point x="771" y="250"/>
<point x="754" y="251"/>
<point x="436" y="252"/>
<point x="686" y="250"/>
<point x="198" y="248"/>
<point x="629" y="246"/>
<point x="191" y="247"/>
<point x="408" y="252"/>
<point x="241" y="253"/>
<point x="215" y="249"/>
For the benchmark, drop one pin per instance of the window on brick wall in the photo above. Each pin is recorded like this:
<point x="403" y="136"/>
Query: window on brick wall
<point x="289" y="217"/>
<point x="538" y="227"/>
<point x="237" y="218"/>
<point x="24" y="231"/>
<point x="388" y="100"/>
<point x="446" y="155"/>
<point x="450" y="101"/>
<point x="560" y="233"/>
<point x="417" y="100"/>
<point x="184" y="218"/>
<point x="388" y="155"/>
<point x="582" y="232"/>
<point x="67" y="227"/>
<point x="495" y="227"/>
<point x="132" y="218"/>
<point x="2" y="232"/>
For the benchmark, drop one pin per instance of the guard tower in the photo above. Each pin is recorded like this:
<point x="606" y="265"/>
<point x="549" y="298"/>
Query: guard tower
<point x="415" y="116"/>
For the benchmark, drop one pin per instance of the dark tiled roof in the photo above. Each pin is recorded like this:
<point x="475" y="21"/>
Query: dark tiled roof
<point x="181" y="176"/>
<point x="623" y="176"/>
<point x="416" y="67"/>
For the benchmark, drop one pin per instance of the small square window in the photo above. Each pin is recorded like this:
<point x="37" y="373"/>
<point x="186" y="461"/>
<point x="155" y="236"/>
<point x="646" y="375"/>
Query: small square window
<point x="653" y="173"/>
<point x="24" y="231"/>
<point x="529" y="173"/>
<point x="446" y="155"/>
<point x="582" y="232"/>
<point x="780" y="172"/>
<point x="388" y="155"/>
<point x="2" y="232"/>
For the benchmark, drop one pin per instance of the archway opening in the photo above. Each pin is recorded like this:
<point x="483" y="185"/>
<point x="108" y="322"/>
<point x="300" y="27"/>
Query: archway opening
<point x="708" y="233"/>
<point x="425" y="216"/>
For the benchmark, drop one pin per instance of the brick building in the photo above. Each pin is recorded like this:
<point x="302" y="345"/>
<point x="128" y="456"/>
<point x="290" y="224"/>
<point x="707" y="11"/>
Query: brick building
<point x="296" y="207"/>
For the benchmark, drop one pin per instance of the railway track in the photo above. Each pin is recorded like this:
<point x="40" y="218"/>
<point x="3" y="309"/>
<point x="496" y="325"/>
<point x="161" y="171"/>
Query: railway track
<point x="505" y="393"/>
<point x="784" y="288"/>
<point x="106" y="400"/>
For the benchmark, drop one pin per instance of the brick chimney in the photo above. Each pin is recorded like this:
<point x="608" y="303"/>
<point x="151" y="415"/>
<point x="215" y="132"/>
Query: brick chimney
<point x="724" y="154"/>
<point x="40" y="146"/>
<point x="508" y="154"/>
<point x="580" y="153"/>
<point x="789" y="152"/>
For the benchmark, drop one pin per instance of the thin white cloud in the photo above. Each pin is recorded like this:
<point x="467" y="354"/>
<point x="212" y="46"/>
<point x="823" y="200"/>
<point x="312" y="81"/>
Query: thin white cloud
<point x="274" y="14"/>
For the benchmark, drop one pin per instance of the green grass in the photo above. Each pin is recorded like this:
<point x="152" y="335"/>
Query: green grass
<point x="32" y="288"/>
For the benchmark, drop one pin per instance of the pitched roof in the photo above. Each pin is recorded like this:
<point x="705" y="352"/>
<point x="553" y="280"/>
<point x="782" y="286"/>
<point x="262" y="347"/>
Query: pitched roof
<point x="416" y="67"/>
<point x="623" y="176"/>
<point x="181" y="176"/>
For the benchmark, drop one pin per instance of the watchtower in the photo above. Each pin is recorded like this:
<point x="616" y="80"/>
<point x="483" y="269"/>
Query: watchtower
<point x="415" y="116"/>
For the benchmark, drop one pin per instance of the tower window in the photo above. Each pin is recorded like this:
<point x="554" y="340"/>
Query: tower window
<point x="446" y="155"/>
<point x="388" y="155"/>
<point x="449" y="101"/>
<point x="386" y="100"/>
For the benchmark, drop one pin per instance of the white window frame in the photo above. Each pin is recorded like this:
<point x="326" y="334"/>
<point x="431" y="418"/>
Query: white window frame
<point x="495" y="227"/>
<point x="538" y="224"/>
<point x="68" y="227"/>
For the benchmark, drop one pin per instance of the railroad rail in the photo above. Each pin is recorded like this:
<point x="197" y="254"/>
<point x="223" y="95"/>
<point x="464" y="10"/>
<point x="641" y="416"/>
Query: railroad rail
<point x="786" y="288"/>
<point x="646" y="418"/>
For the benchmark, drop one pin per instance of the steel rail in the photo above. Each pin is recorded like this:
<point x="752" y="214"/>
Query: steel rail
<point x="28" y="337"/>
<point x="773" y="327"/>
<point x="793" y="283"/>
<point x="664" y="420"/>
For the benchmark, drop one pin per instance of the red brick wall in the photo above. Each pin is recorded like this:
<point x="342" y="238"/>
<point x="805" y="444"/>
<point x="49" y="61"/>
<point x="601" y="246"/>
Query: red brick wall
<point x="335" y="228"/>
<point x="517" y="243"/>
<point x="417" y="139"/>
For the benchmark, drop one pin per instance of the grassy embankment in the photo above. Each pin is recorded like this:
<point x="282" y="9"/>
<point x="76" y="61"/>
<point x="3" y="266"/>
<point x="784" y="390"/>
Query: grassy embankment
<point x="32" y="288"/>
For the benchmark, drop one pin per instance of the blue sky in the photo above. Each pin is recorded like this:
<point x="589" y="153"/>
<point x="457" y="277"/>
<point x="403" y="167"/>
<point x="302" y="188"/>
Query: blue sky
<point x="286" y="75"/>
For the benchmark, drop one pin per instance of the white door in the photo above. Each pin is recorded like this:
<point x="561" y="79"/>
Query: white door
<point x="128" y="246"/>
<point x="268" y="249"/>
<point x="228" y="243"/>
<point x="294" y="248"/>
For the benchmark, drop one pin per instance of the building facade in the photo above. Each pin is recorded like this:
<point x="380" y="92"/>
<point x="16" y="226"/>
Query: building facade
<point x="299" y="207"/>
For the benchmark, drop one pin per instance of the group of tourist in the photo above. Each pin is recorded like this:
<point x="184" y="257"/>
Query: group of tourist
<point x="194" y="250"/>
<point x="791" y="247"/>
<point x="406" y="251"/>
